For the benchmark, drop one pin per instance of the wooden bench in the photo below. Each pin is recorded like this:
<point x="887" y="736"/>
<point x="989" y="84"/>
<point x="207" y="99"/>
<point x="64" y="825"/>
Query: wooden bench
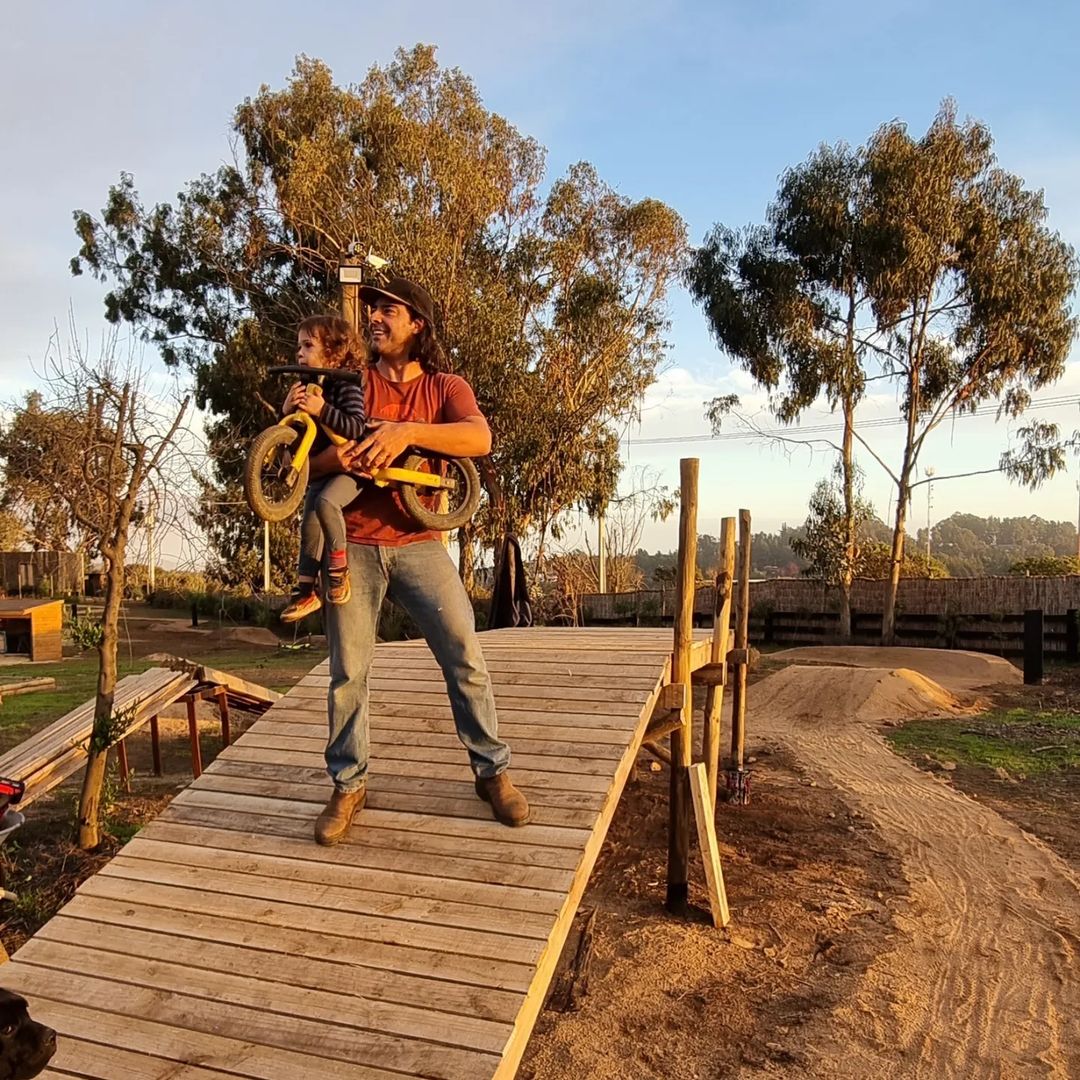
<point x="57" y="751"/>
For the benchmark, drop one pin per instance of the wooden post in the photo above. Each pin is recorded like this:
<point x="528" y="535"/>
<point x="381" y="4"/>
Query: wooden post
<point x="122" y="761"/>
<point x="193" y="732"/>
<point x="223" y="712"/>
<point x="742" y="643"/>
<point x="682" y="738"/>
<point x="1072" y="635"/>
<point x="155" y="744"/>
<point x="721" y="641"/>
<point x="704" y="814"/>
<point x="1033" y="647"/>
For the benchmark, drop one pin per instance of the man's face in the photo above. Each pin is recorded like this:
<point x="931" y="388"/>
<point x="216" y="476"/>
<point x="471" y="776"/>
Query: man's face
<point x="392" y="327"/>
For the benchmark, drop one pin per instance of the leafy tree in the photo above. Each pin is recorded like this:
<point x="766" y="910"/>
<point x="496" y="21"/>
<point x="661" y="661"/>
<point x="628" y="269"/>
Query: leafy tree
<point x="826" y="542"/>
<point x="35" y="432"/>
<point x="13" y="533"/>
<point x="1046" y="566"/>
<point x="877" y="562"/>
<point x="970" y="294"/>
<point x="94" y="439"/>
<point x="552" y="308"/>
<point x="784" y="300"/>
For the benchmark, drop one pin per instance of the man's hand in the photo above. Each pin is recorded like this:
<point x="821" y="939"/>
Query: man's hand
<point x="383" y="444"/>
<point x="293" y="398"/>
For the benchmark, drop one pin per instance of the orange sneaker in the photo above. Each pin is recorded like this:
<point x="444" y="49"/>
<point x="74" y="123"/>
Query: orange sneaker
<point x="301" y="604"/>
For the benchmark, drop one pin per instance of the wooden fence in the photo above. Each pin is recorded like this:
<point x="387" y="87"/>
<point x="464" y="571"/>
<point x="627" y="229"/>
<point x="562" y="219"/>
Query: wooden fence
<point x="979" y="631"/>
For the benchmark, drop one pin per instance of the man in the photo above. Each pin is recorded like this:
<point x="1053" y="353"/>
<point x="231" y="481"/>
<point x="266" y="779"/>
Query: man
<point x="412" y="401"/>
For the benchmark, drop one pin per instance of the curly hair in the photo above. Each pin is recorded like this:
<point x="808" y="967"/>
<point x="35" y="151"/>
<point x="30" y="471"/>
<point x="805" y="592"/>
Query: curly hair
<point x="341" y="346"/>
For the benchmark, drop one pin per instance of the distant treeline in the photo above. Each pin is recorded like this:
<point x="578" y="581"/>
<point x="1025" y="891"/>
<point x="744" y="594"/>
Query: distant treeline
<point x="967" y="545"/>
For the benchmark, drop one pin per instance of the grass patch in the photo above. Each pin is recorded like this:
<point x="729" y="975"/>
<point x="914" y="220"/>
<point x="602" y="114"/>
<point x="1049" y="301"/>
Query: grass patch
<point x="1024" y="742"/>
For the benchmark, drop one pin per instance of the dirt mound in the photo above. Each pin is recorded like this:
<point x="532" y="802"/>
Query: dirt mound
<point x="986" y="901"/>
<point x="824" y="695"/>
<point x="218" y="636"/>
<point x="249" y="635"/>
<point x="952" y="668"/>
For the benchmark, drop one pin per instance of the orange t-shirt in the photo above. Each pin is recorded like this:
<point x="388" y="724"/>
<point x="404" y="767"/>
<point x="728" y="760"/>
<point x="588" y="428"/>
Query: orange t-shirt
<point x="376" y="515"/>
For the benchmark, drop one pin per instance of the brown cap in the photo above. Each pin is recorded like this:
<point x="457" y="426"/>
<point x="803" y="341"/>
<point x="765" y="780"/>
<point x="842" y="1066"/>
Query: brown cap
<point x="404" y="292"/>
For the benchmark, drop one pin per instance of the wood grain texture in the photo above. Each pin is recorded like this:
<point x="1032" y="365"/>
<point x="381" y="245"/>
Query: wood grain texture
<point x="222" y="941"/>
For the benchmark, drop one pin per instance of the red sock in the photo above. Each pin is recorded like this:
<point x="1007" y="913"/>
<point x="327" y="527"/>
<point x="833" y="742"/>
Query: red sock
<point x="338" y="561"/>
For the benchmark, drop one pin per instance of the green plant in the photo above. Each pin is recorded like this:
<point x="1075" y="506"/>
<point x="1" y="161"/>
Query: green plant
<point x="85" y="633"/>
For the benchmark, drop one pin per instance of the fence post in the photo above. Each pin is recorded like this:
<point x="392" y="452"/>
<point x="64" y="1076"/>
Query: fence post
<point x="1033" y="647"/>
<point x="1072" y="635"/>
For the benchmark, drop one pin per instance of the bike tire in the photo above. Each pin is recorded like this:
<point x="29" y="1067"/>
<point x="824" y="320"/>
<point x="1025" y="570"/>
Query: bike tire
<point x="274" y="440"/>
<point x="430" y="519"/>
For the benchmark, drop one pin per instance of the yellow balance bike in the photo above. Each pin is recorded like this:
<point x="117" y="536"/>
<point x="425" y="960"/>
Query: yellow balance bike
<point x="276" y="470"/>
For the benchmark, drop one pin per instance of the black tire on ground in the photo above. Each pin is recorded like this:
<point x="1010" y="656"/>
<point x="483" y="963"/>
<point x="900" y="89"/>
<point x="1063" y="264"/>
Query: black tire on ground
<point x="270" y="447"/>
<point x="467" y="498"/>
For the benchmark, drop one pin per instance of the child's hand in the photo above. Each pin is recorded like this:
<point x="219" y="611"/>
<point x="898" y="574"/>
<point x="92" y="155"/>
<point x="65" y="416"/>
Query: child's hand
<point x="312" y="404"/>
<point x="293" y="399"/>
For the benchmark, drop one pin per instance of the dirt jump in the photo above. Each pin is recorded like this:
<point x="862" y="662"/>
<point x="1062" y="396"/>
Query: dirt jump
<point x="981" y="979"/>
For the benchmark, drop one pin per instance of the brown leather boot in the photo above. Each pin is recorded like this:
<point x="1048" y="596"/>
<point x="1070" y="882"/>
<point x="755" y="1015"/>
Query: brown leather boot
<point x="507" y="803"/>
<point x="334" y="821"/>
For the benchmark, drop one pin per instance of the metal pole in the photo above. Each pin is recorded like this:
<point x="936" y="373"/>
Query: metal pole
<point x="929" y="488"/>
<point x="266" y="556"/>
<point x="151" y="568"/>
<point x="1078" y="519"/>
<point x="602" y="545"/>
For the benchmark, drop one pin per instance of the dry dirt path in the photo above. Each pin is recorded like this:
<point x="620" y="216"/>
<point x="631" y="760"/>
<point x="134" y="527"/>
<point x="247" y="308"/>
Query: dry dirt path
<point x="984" y="980"/>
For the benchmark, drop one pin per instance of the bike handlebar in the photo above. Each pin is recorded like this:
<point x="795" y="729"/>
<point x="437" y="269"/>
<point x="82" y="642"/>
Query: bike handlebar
<point x="319" y="373"/>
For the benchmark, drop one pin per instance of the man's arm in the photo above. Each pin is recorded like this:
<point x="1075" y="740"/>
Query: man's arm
<point x="470" y="437"/>
<point x="387" y="441"/>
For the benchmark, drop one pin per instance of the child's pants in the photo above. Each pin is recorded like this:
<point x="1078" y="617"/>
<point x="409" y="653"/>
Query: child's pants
<point x="323" y="525"/>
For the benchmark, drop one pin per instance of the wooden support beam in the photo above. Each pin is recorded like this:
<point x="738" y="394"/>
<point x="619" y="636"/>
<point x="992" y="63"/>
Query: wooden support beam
<point x="222" y="696"/>
<point x="657" y="752"/>
<point x="705" y="815"/>
<point x="155" y="744"/>
<point x="193" y="733"/>
<point x="662" y="728"/>
<point x="673" y="698"/>
<point x="719" y="654"/>
<point x="122" y="761"/>
<point x="742" y="641"/>
<point x="682" y="739"/>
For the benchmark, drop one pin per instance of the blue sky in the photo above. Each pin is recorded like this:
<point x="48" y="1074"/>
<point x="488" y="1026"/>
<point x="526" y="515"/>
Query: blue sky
<point x="701" y="105"/>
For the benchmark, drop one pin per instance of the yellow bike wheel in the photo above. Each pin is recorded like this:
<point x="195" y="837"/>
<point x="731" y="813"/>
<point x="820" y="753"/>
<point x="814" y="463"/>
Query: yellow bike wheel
<point x="273" y="490"/>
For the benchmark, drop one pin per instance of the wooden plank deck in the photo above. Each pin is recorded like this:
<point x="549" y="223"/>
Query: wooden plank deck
<point x="223" y="942"/>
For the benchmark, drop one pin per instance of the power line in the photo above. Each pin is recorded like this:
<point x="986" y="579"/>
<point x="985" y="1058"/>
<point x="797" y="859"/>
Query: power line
<point x="793" y="433"/>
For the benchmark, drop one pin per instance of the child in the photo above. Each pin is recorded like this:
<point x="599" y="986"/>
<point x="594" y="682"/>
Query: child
<point x="326" y="341"/>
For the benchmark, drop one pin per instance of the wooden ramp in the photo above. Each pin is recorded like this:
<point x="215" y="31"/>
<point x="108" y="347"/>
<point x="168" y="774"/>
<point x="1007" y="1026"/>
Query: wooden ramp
<point x="222" y="942"/>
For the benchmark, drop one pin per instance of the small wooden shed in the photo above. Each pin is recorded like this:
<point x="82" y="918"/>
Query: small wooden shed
<point x="34" y="627"/>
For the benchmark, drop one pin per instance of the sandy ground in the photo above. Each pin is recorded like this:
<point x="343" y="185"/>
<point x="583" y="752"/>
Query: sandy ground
<point x="981" y="981"/>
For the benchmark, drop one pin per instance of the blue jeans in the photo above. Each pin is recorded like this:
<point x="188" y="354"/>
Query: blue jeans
<point x="422" y="579"/>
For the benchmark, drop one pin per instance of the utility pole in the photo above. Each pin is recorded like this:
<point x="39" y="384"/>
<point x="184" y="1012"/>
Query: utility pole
<point x="266" y="556"/>
<point x="929" y="488"/>
<point x="602" y="557"/>
<point x="350" y="275"/>
<point x="1078" y="518"/>
<point x="151" y="565"/>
